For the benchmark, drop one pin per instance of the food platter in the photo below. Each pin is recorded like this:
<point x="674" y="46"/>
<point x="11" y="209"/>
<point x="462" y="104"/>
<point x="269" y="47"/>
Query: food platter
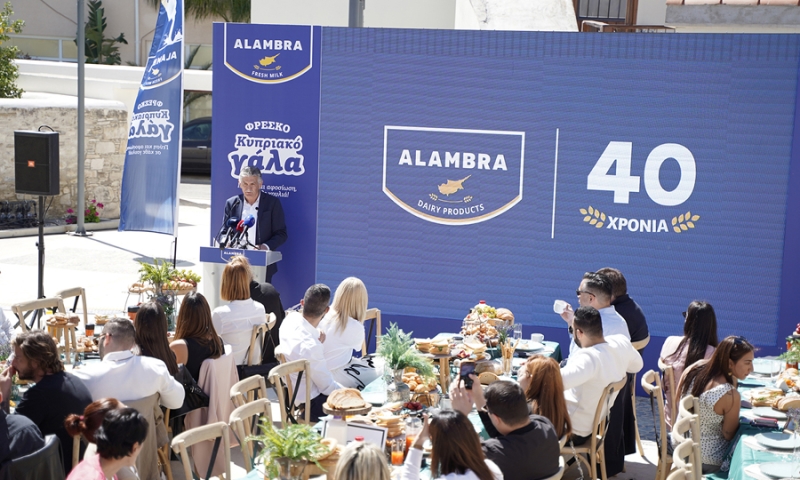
<point x="529" y="346"/>
<point x="346" y="412"/>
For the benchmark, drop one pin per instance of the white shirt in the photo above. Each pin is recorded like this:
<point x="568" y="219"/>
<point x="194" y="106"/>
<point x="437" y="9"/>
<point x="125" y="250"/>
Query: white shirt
<point x="248" y="209"/>
<point x="339" y="345"/>
<point x="234" y="323"/>
<point x="613" y="324"/>
<point x="125" y="376"/>
<point x="300" y="340"/>
<point x="411" y="467"/>
<point x="588" y="371"/>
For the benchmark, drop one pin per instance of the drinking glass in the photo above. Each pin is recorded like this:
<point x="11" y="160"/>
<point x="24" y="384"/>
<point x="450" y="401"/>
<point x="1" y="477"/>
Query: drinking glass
<point x="398" y="445"/>
<point x="413" y="428"/>
<point x="518" y="332"/>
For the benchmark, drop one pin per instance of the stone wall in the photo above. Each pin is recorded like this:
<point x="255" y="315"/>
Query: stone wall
<point x="106" y="123"/>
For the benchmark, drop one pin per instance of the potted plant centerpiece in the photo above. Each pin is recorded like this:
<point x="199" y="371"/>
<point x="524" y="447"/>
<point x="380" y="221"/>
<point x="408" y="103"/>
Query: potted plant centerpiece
<point x="167" y="282"/>
<point x="286" y="452"/>
<point x="398" y="351"/>
<point x="792" y="353"/>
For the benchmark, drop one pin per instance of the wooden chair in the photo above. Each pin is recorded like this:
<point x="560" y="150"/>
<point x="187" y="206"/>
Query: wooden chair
<point x="687" y="407"/>
<point x="595" y="447"/>
<point x="685" y="457"/>
<point x="638" y="346"/>
<point x="163" y="450"/>
<point x="651" y="383"/>
<point x="65" y="331"/>
<point x="23" y="309"/>
<point x="281" y="378"/>
<point x="688" y="424"/>
<point x="248" y="390"/>
<point x="681" y="474"/>
<point x="76" y="449"/>
<point x="244" y="422"/>
<point x="258" y="330"/>
<point x="375" y="315"/>
<point x="671" y="384"/>
<point x="80" y="294"/>
<point x="214" y="431"/>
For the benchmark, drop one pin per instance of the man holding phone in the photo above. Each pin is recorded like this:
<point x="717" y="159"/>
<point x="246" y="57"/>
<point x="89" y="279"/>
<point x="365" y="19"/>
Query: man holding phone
<point x="524" y="446"/>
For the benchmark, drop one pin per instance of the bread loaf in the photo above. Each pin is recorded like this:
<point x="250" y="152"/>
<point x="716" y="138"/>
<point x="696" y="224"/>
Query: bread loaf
<point x="346" y="398"/>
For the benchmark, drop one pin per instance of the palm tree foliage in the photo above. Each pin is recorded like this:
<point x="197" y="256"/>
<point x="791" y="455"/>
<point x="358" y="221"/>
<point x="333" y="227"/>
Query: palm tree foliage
<point x="228" y="10"/>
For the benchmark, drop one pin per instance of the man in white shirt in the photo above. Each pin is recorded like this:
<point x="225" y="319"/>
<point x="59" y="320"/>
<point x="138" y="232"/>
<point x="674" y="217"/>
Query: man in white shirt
<point x="599" y="361"/>
<point x="125" y="376"/>
<point x="300" y="339"/>
<point x="595" y="291"/>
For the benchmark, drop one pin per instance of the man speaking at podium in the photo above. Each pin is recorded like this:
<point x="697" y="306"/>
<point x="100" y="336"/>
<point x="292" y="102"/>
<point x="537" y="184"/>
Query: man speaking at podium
<point x="269" y="230"/>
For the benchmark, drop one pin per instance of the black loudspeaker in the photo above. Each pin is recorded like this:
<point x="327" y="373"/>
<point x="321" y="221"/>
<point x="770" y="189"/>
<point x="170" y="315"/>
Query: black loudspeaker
<point x="36" y="163"/>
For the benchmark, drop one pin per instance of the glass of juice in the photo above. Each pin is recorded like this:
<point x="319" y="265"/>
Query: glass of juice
<point x="397" y="451"/>
<point x="413" y="428"/>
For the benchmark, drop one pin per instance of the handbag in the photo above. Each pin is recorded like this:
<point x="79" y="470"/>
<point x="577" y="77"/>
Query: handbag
<point x="195" y="396"/>
<point x="262" y="369"/>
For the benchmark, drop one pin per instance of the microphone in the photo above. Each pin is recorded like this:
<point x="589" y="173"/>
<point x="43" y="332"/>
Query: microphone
<point x="235" y="242"/>
<point x="226" y="236"/>
<point x="248" y="222"/>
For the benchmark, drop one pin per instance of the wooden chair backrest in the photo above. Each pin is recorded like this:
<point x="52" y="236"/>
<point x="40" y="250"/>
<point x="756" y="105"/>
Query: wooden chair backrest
<point x="252" y="357"/>
<point x="182" y="442"/>
<point x="671" y="384"/>
<point x="685" y="456"/>
<point x="684" y="425"/>
<point x="689" y="406"/>
<point x="248" y="390"/>
<point x="244" y="422"/>
<point x="280" y="377"/>
<point x="76" y="292"/>
<point x="681" y="474"/>
<point x="375" y="315"/>
<point x="651" y="383"/>
<point x="20" y="309"/>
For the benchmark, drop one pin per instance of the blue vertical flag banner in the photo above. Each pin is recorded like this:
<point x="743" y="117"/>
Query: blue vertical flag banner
<point x="266" y="115"/>
<point x="153" y="157"/>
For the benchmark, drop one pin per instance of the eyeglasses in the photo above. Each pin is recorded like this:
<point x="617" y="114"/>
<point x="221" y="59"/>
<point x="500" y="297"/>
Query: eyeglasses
<point x="578" y="293"/>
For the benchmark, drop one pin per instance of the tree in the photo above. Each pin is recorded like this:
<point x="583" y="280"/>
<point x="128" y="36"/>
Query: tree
<point x="98" y="48"/>
<point x="228" y="10"/>
<point x="9" y="71"/>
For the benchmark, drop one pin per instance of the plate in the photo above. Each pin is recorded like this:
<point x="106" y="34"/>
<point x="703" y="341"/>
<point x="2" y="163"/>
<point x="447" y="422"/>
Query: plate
<point x="752" y="382"/>
<point x="778" y="441"/>
<point x="778" y="469"/>
<point x="764" y="366"/>
<point x="768" y="412"/>
<point x="530" y="346"/>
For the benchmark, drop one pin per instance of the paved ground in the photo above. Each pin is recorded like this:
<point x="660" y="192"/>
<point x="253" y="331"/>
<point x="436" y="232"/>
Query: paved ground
<point x="107" y="262"/>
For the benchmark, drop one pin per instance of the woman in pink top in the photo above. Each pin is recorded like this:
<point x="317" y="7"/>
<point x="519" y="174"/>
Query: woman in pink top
<point x="697" y="343"/>
<point x="119" y="441"/>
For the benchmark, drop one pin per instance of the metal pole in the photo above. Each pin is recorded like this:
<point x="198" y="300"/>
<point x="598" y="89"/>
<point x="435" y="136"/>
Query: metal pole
<point x="356" y="17"/>
<point x="80" y="230"/>
<point x="136" y="31"/>
<point x="41" y="246"/>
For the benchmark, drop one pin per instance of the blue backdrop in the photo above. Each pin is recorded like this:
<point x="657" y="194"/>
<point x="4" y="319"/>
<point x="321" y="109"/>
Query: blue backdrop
<point x="456" y="166"/>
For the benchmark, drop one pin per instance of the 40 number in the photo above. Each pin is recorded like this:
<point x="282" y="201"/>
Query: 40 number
<point x="622" y="183"/>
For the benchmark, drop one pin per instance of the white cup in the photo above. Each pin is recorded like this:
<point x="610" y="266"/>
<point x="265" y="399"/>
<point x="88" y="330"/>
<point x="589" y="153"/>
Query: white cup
<point x="537" y="337"/>
<point x="559" y="306"/>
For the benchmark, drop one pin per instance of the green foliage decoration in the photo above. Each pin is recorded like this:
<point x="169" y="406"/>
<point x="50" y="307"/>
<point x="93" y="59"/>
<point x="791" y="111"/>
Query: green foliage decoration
<point x="397" y="349"/>
<point x="9" y="71"/>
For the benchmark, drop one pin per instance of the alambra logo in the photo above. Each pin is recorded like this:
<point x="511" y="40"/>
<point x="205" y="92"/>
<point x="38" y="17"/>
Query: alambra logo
<point x="262" y="150"/>
<point x="678" y="224"/>
<point x="453" y="176"/>
<point x="285" y="55"/>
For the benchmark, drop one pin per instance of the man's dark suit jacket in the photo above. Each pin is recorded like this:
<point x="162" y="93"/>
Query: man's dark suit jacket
<point x="270" y="224"/>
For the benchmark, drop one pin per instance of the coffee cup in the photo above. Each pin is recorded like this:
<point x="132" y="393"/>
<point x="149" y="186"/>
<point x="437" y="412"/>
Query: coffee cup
<point x="537" y="337"/>
<point x="559" y="306"/>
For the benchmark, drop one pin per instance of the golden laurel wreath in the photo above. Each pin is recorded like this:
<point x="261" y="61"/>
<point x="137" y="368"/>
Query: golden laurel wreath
<point x="684" y="222"/>
<point x="593" y="216"/>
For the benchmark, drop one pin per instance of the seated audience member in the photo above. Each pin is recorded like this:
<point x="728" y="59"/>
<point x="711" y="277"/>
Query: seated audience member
<point x="627" y="308"/>
<point x="595" y="291"/>
<point x="540" y="379"/>
<point x="697" y="343"/>
<point x="714" y="382"/>
<point x="455" y="451"/>
<point x="265" y="294"/>
<point x="150" y="324"/>
<point x="362" y="461"/>
<point x="196" y="338"/>
<point x="300" y="340"/>
<point x="19" y="436"/>
<point x="599" y="361"/>
<point x="126" y="376"/>
<point x="343" y="326"/>
<point x="119" y="440"/>
<point x="55" y="394"/>
<point x="88" y="423"/>
<point x="524" y="446"/>
<point x="234" y="322"/>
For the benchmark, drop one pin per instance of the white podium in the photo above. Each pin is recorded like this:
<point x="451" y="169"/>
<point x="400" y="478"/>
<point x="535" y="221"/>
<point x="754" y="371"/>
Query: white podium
<point x="214" y="260"/>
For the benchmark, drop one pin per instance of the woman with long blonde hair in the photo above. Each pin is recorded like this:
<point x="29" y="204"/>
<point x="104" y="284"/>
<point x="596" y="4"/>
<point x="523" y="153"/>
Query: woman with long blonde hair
<point x="540" y="378"/>
<point x="343" y="327"/>
<point x="362" y="461"/>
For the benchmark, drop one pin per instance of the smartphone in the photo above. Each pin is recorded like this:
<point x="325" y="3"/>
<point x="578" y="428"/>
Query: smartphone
<point x="467" y="368"/>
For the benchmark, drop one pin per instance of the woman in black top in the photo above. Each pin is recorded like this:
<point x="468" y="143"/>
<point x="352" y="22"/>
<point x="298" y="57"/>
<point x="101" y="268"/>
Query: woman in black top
<point x="195" y="336"/>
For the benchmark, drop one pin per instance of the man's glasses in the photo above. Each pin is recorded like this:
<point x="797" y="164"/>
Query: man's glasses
<point x="578" y="293"/>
